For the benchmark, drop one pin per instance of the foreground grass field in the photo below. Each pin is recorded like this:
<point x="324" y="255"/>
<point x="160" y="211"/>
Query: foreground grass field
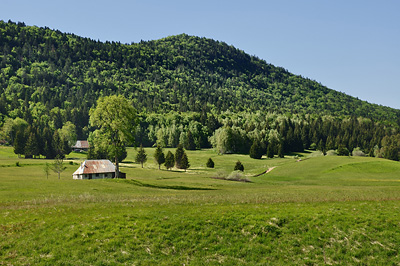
<point x="324" y="210"/>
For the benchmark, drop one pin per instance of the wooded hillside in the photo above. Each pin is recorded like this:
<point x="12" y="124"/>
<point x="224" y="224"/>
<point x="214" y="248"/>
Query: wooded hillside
<point x="183" y="86"/>
<point x="179" y="73"/>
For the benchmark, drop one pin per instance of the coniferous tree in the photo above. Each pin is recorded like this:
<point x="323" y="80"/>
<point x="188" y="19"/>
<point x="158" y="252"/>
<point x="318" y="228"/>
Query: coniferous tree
<point x="58" y="145"/>
<point x="159" y="156"/>
<point x="342" y="151"/>
<point x="321" y="145"/>
<point x="19" y="143"/>
<point x="141" y="156"/>
<point x="210" y="163"/>
<point x="185" y="162"/>
<point x="48" y="149"/>
<point x="178" y="156"/>
<point x="270" y="151"/>
<point x="190" y="145"/>
<point x="256" y="150"/>
<point x="392" y="153"/>
<point x="169" y="160"/>
<point x="32" y="146"/>
<point x="239" y="166"/>
<point x="280" y="151"/>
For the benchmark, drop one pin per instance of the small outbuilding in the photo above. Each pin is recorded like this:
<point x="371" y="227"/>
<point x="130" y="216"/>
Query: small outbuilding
<point x="96" y="169"/>
<point x="81" y="145"/>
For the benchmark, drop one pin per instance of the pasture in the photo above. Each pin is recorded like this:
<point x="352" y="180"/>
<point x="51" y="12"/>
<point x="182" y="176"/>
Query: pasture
<point x="317" y="211"/>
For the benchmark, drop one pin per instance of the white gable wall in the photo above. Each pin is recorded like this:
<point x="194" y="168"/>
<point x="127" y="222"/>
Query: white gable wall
<point x="93" y="176"/>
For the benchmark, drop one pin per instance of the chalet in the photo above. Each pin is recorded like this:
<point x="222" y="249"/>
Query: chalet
<point x="96" y="169"/>
<point x="81" y="145"/>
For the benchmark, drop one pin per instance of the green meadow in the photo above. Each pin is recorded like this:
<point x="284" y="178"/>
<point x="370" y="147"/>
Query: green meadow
<point x="313" y="211"/>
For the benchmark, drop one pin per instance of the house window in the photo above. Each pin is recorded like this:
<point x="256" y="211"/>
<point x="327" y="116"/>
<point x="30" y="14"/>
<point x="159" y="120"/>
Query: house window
<point x="97" y="174"/>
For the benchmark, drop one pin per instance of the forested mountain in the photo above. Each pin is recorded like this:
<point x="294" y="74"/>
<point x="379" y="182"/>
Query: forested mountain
<point x="180" y="73"/>
<point x="51" y="79"/>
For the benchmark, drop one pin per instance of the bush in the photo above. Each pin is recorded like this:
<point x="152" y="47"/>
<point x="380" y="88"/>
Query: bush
<point x="17" y="164"/>
<point x="313" y="146"/>
<point x="210" y="163"/>
<point x="316" y="154"/>
<point x="235" y="175"/>
<point x="358" y="152"/>
<point x="331" y="153"/>
<point x="239" y="166"/>
<point x="221" y="174"/>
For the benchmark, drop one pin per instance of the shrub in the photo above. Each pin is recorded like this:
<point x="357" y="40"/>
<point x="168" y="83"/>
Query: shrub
<point x="221" y="174"/>
<point x="17" y="164"/>
<point x="316" y="154"/>
<point x="331" y="153"/>
<point x="358" y="152"/>
<point x="237" y="176"/>
<point x="313" y="146"/>
<point x="239" y="166"/>
<point x="210" y="163"/>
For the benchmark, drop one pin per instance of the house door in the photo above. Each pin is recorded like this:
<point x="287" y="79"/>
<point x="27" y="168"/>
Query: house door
<point x="90" y="176"/>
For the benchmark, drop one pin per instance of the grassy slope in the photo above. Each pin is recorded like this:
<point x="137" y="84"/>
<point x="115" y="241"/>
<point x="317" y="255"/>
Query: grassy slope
<point x="322" y="210"/>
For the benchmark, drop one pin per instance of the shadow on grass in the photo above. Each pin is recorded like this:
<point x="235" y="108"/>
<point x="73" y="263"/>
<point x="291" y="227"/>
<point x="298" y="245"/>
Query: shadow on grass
<point x="141" y="184"/>
<point x="244" y="180"/>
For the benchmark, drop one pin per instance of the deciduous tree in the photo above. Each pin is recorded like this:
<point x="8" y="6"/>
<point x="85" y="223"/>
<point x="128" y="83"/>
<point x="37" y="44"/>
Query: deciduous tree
<point x="116" y="118"/>
<point x="58" y="166"/>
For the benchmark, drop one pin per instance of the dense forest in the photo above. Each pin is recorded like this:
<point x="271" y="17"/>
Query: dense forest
<point x="186" y="89"/>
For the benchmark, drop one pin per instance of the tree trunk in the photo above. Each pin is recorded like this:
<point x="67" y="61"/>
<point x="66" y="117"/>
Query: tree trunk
<point x="116" y="166"/>
<point x="116" y="157"/>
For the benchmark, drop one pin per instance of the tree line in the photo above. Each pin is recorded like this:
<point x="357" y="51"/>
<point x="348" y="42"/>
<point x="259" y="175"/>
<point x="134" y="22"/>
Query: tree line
<point x="247" y="133"/>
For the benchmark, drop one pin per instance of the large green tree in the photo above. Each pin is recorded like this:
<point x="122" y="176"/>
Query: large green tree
<point x="115" y="117"/>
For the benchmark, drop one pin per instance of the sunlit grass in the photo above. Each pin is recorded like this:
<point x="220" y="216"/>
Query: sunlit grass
<point x="324" y="210"/>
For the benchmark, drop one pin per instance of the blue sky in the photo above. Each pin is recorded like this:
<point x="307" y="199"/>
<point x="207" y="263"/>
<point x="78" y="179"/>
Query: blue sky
<point x="349" y="46"/>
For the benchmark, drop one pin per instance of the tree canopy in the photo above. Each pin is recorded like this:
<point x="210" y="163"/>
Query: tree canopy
<point x="115" y="119"/>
